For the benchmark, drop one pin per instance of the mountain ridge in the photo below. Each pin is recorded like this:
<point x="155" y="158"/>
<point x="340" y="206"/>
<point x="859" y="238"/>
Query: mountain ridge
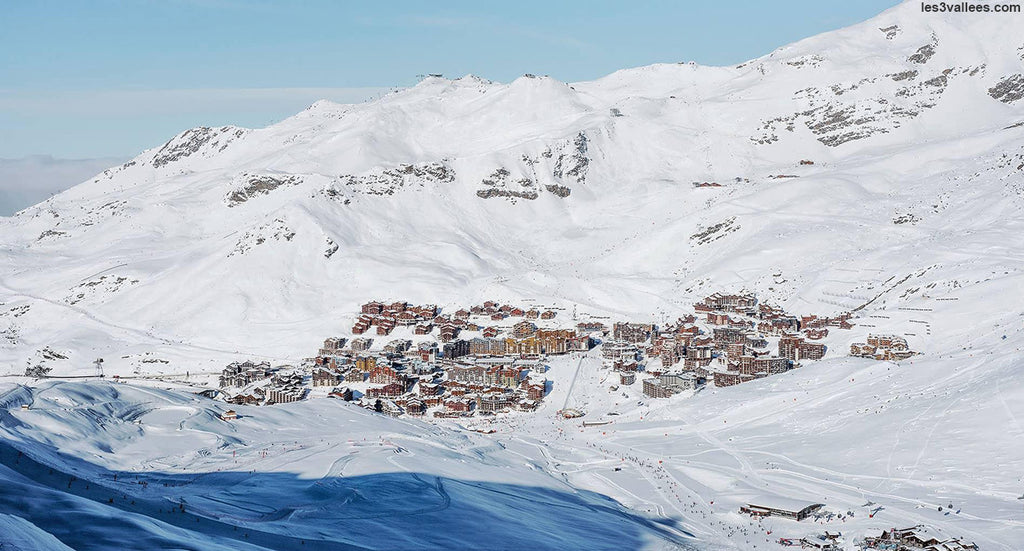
<point x="580" y="193"/>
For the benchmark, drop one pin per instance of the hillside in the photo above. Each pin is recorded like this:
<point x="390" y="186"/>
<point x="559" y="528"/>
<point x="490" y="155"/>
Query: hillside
<point x="458" y="190"/>
<point x="877" y="169"/>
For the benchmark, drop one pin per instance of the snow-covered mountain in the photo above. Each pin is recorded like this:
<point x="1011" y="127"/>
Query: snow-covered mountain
<point x="455" y="190"/>
<point x="628" y="196"/>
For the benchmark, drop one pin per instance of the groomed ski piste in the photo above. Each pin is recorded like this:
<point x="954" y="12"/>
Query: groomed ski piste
<point x="230" y="244"/>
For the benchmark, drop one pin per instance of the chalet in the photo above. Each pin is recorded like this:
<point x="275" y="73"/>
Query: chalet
<point x="699" y="352"/>
<point x="229" y="415"/>
<point x="423" y="329"/>
<point x="735" y="350"/>
<point x="388" y="390"/>
<point x="285" y="394"/>
<point x="245" y="399"/>
<point x="561" y="341"/>
<point x="717" y="318"/>
<point x="487" y="347"/>
<point x="695" y="364"/>
<point x="816" y="334"/>
<point x="535" y="391"/>
<point x="467" y="373"/>
<point x="548" y="315"/>
<point x="590" y="327"/>
<point x="626" y="366"/>
<point x="342" y="393"/>
<point x="361" y="344"/>
<point x="406" y="318"/>
<point x="671" y="355"/>
<point x="882" y="347"/>
<point x="613" y="350"/>
<point x="724" y="379"/>
<point x="887" y="341"/>
<point x="532" y="314"/>
<point x="415" y="406"/>
<point x="632" y="332"/>
<point x="383" y="375"/>
<point x="458" y="405"/>
<point x="506" y="377"/>
<point x="429" y="346"/>
<point x="419" y="366"/>
<point x="491" y="331"/>
<point x="373" y="308"/>
<point x="862" y="349"/>
<point x="731" y="303"/>
<point x="812" y="351"/>
<point x="751" y="365"/>
<point x="779" y="325"/>
<point x="523" y="329"/>
<point x="398" y="346"/>
<point x="780" y="507"/>
<point x="366" y="363"/>
<point x="498" y="316"/>
<point x="462" y="314"/>
<point x="239" y="374"/>
<point x="917" y="537"/>
<point x="430" y="389"/>
<point x="527" y="405"/>
<point x="493" y="403"/>
<point x="767" y="311"/>
<point x="756" y="341"/>
<point x="448" y="333"/>
<point x="728" y="335"/>
<point x="667" y="385"/>
<point x="455" y="349"/>
<point x="627" y="378"/>
<point x="332" y="345"/>
<point x="789" y="347"/>
<point x="325" y="377"/>
<point x="516" y="312"/>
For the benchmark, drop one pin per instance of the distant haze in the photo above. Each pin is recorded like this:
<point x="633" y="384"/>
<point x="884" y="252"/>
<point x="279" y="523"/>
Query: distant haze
<point x="25" y="182"/>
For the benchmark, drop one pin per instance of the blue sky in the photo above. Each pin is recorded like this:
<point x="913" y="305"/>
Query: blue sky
<point x="108" y="78"/>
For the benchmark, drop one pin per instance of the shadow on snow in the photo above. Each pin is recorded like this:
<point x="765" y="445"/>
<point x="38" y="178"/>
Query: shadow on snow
<point x="89" y="507"/>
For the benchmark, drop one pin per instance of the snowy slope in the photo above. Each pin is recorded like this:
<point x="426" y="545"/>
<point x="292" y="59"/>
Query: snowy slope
<point x="230" y="242"/>
<point x="455" y="190"/>
<point x="142" y="469"/>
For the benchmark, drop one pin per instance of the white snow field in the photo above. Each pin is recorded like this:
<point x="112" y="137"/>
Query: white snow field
<point x="230" y="243"/>
<point x="159" y="469"/>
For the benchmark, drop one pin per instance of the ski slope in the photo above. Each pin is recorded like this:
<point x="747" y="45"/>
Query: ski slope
<point x="231" y="243"/>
